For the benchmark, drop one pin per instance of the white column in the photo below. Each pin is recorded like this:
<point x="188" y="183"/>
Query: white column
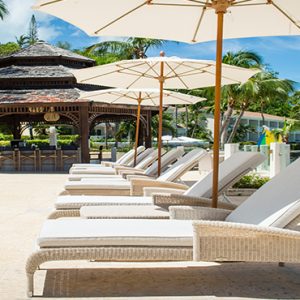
<point x="52" y="136"/>
<point x="229" y="149"/>
<point x="279" y="157"/>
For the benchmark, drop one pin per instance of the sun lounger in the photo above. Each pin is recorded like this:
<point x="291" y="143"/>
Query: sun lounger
<point x="126" y="159"/>
<point x="143" y="164"/>
<point x="122" y="172"/>
<point x="112" y="170"/>
<point x="261" y="229"/>
<point x="230" y="171"/>
<point x="120" y="186"/>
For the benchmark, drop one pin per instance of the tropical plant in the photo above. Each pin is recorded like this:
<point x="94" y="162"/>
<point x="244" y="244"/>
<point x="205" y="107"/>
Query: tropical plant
<point x="127" y="128"/>
<point x="32" y="32"/>
<point x="64" y="45"/>
<point x="262" y="87"/>
<point x="8" y="49"/>
<point x="282" y="134"/>
<point x="231" y="93"/>
<point x="22" y="40"/>
<point x="132" y="48"/>
<point x="3" y="10"/>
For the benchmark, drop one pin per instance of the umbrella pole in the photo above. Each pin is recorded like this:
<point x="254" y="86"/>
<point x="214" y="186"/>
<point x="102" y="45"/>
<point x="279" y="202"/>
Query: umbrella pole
<point x="159" y="138"/>
<point x="216" y="148"/>
<point x="138" y="116"/>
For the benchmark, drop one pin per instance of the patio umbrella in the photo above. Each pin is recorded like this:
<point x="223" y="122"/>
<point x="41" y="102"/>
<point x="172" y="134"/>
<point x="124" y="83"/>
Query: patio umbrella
<point x="139" y="97"/>
<point x="160" y="19"/>
<point x="167" y="72"/>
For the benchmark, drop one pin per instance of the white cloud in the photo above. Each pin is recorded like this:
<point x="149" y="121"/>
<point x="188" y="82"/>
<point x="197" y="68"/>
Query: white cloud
<point x="111" y="38"/>
<point x="17" y="22"/>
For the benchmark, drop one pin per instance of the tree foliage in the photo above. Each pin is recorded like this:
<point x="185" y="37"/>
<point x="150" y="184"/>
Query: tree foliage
<point x="3" y="10"/>
<point x="8" y="49"/>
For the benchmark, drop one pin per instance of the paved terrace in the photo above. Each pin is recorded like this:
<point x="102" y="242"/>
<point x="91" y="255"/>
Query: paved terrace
<point x="26" y="200"/>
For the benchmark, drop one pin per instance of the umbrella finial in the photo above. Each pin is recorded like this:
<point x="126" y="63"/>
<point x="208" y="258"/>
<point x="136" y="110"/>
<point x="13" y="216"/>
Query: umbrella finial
<point x="162" y="53"/>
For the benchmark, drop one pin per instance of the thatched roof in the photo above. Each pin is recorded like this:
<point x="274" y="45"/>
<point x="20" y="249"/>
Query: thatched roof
<point x="34" y="72"/>
<point x="39" y="96"/>
<point x="45" y="50"/>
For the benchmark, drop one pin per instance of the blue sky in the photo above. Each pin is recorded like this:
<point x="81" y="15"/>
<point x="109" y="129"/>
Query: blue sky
<point x="282" y="54"/>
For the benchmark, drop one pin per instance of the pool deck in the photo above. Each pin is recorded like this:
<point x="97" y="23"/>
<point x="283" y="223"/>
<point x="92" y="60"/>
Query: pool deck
<point x="26" y="200"/>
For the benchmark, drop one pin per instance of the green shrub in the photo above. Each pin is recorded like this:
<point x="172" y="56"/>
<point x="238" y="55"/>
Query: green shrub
<point x="4" y="143"/>
<point x="295" y="146"/>
<point x="252" y="181"/>
<point x="64" y="142"/>
<point x="248" y="143"/>
<point x="73" y="137"/>
<point x="6" y="137"/>
<point x="37" y="142"/>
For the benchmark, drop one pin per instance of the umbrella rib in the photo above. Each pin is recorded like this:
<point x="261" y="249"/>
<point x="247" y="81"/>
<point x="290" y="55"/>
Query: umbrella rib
<point x="50" y="2"/>
<point x="176" y="75"/>
<point x="178" y="5"/>
<point x="199" y="23"/>
<point x="284" y="13"/>
<point x="122" y="16"/>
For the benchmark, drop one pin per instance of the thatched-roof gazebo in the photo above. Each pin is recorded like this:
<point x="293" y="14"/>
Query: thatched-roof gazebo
<point x="36" y="83"/>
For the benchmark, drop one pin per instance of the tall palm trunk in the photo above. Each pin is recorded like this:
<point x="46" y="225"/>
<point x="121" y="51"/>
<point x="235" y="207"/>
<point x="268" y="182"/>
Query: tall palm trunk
<point x="236" y="125"/>
<point x="262" y="114"/>
<point x="225" y="124"/>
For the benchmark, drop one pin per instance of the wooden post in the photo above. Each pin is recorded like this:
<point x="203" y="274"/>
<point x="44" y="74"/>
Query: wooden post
<point x="84" y="134"/>
<point x="159" y="138"/>
<point x="138" y="117"/>
<point x="148" y="139"/>
<point x="220" y="13"/>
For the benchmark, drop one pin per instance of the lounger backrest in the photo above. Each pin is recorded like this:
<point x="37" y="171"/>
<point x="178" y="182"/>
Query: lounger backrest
<point x="127" y="157"/>
<point x="182" y="165"/>
<point x="166" y="159"/>
<point x="145" y="163"/>
<point x="230" y="171"/>
<point x="141" y="157"/>
<point x="268" y="204"/>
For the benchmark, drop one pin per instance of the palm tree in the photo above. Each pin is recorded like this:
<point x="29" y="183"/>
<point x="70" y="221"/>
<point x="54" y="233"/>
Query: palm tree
<point x="230" y="93"/>
<point x="3" y="10"/>
<point x="132" y="48"/>
<point x="22" y="40"/>
<point x="259" y="89"/>
<point x="128" y="127"/>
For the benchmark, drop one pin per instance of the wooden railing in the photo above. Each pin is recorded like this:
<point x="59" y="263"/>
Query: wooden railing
<point x="38" y="160"/>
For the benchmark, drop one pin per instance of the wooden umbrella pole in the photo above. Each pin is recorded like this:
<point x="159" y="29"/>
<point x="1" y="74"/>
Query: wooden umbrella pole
<point x="216" y="148"/>
<point x="160" y="119"/>
<point x="138" y="117"/>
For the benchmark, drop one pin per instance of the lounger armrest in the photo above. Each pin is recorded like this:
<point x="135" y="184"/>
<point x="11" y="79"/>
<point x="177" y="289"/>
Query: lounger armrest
<point x="137" y="185"/>
<point x="198" y="213"/>
<point x="124" y="168"/>
<point x="130" y="177"/>
<point x="244" y="242"/>
<point x="108" y="164"/>
<point x="127" y="173"/>
<point x="150" y="191"/>
<point x="166" y="200"/>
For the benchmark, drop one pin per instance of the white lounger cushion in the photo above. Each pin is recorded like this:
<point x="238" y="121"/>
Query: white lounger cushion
<point x="107" y="184"/>
<point x="233" y="167"/>
<point x="89" y="233"/>
<point x="124" y="212"/>
<point x="270" y="199"/>
<point x="75" y="202"/>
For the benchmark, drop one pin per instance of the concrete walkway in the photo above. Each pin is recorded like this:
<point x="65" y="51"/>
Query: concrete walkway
<point x="26" y="200"/>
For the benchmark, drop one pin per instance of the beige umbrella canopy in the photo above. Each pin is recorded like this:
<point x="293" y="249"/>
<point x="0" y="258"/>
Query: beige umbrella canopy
<point x="179" y="20"/>
<point x="140" y="97"/>
<point x="198" y="22"/>
<point x="162" y="72"/>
